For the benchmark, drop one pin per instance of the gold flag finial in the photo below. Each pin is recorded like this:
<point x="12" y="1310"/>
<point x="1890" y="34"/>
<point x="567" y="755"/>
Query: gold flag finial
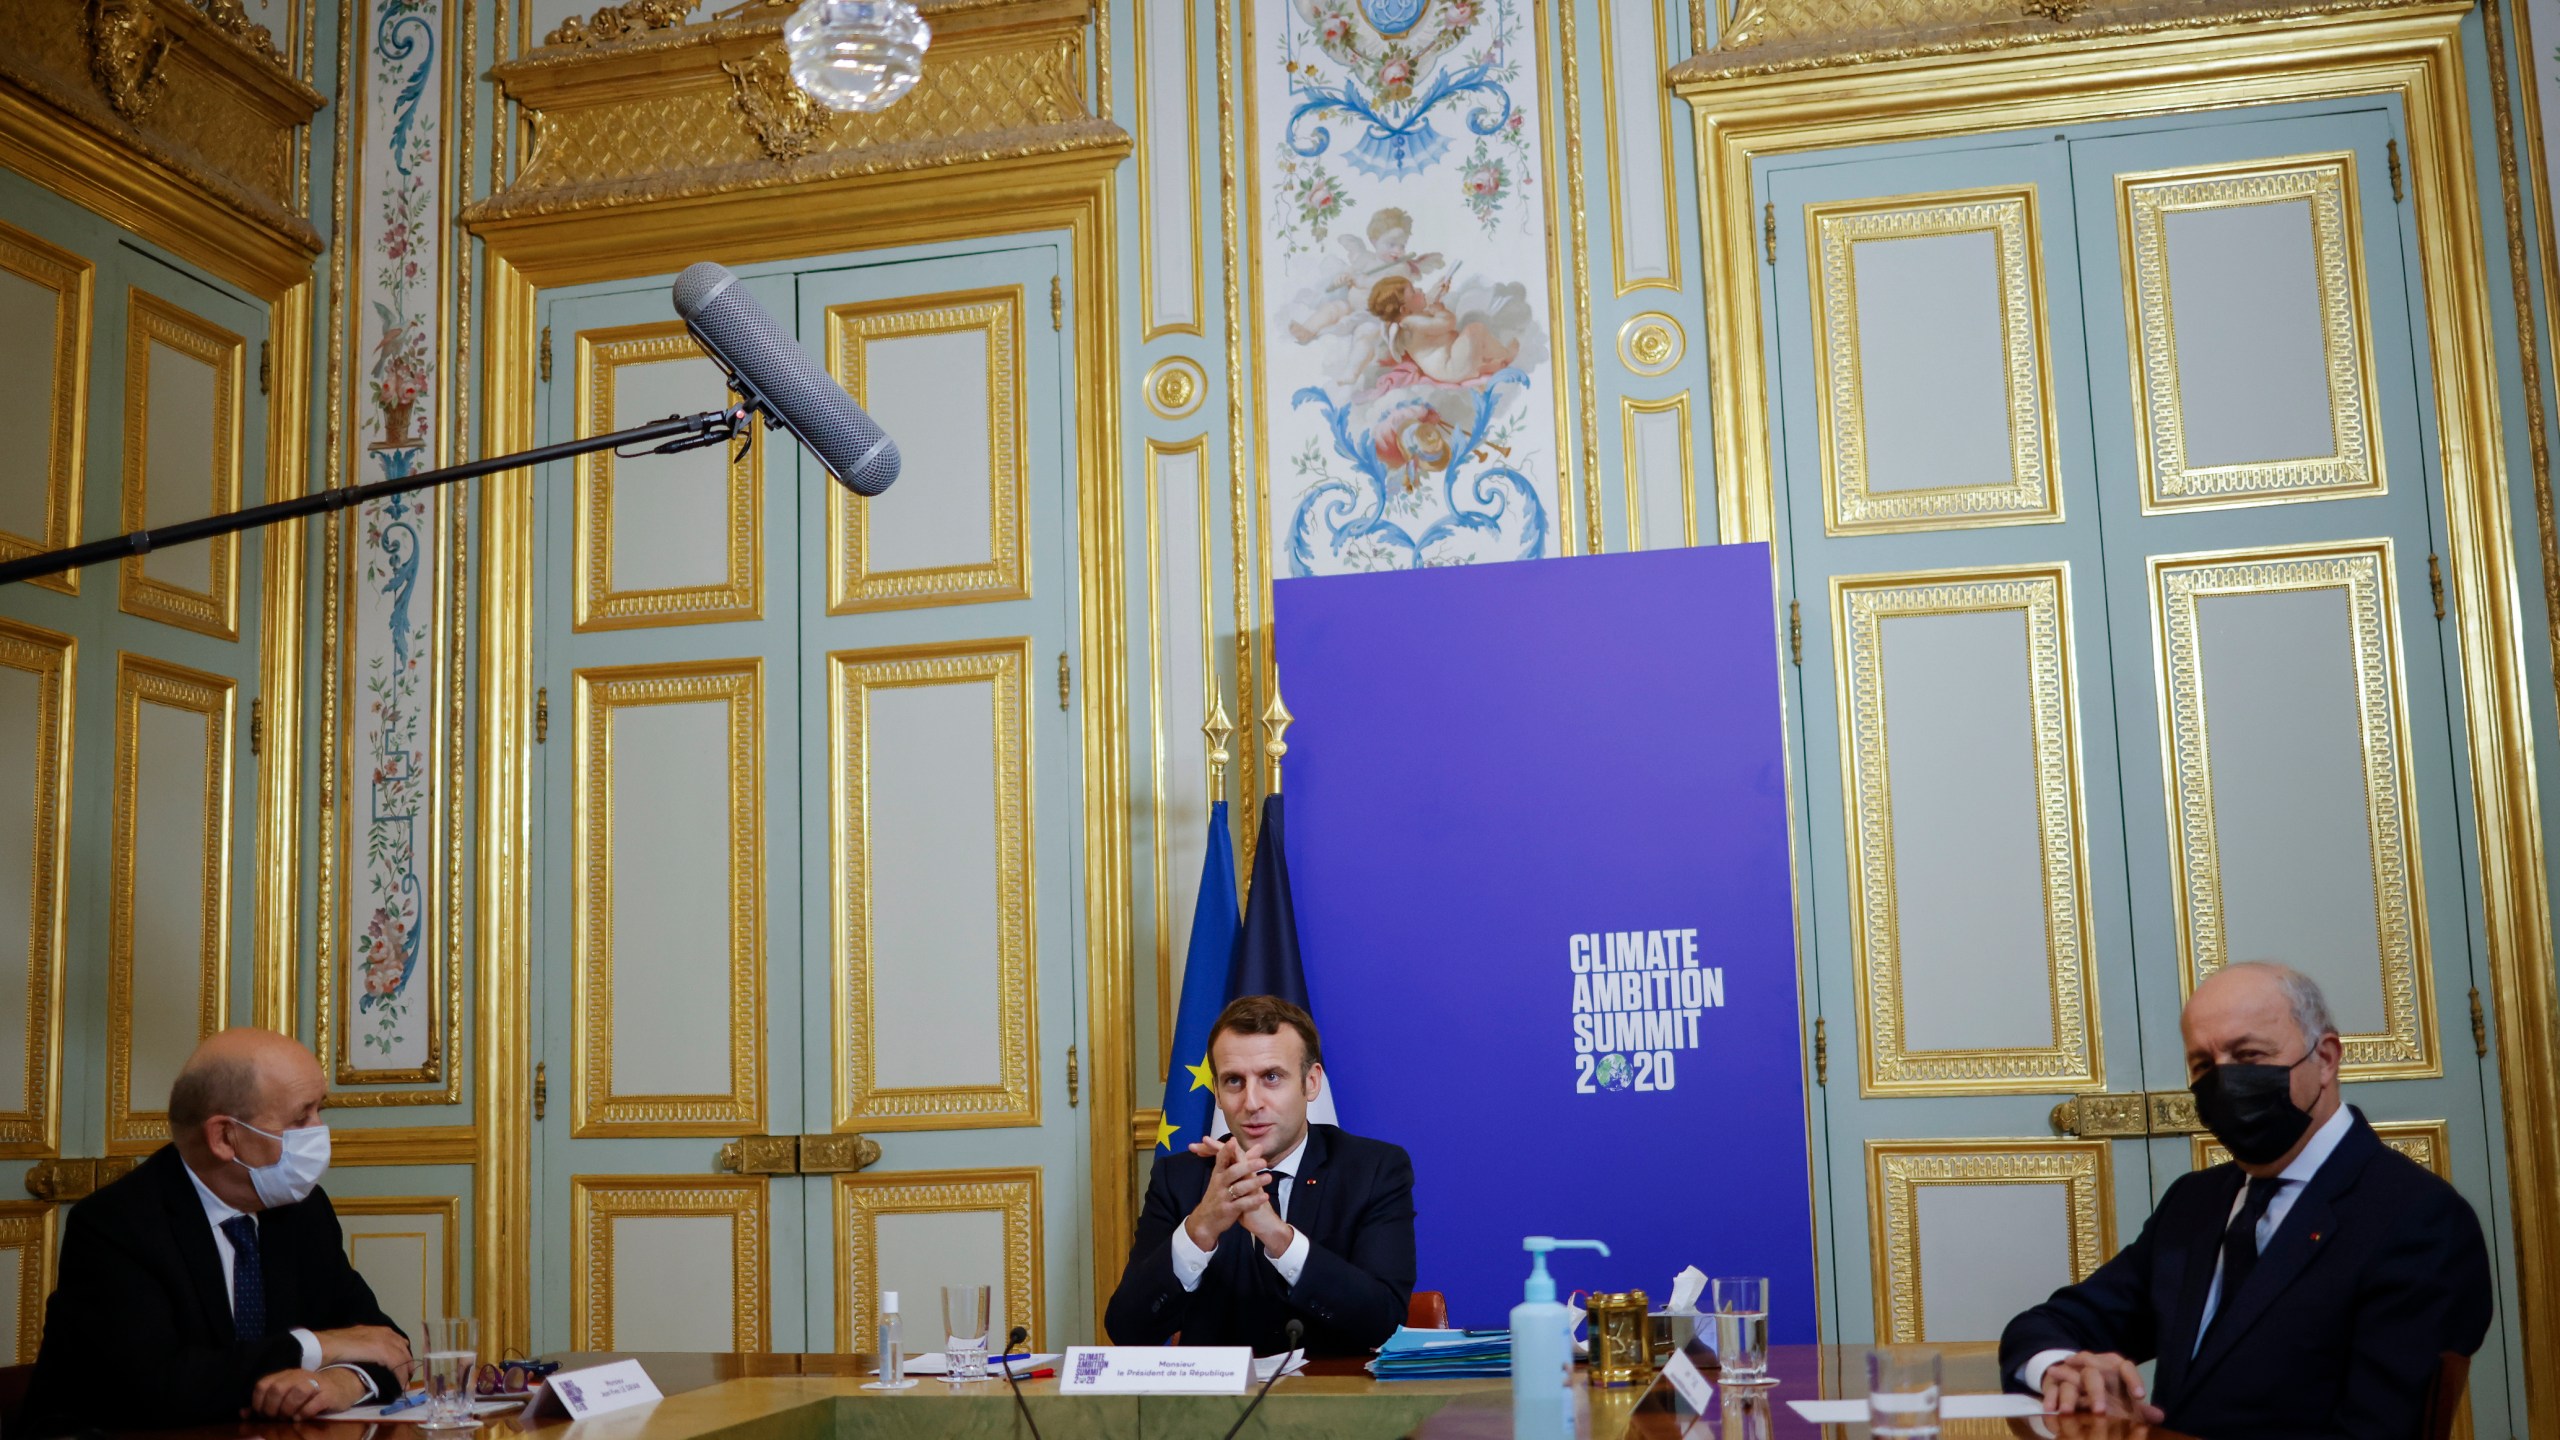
<point x="1220" y="728"/>
<point x="1276" y="720"/>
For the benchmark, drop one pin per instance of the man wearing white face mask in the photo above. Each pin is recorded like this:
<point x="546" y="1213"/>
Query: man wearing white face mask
<point x="213" y="1281"/>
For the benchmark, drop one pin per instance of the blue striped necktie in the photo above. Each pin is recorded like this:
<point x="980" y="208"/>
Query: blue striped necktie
<point x="248" y="1279"/>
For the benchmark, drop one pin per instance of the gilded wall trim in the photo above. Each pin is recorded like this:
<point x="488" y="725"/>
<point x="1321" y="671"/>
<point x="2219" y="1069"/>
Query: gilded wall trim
<point x="597" y="1201"/>
<point x="1744" y="112"/>
<point x="1773" y="37"/>
<point x="28" y="1228"/>
<point x="861" y="1101"/>
<point x="35" y="1128"/>
<point x="853" y="584"/>
<point x="601" y="604"/>
<point x="444" y="1212"/>
<point x="2427" y="1142"/>
<point x="136" y="1124"/>
<point x="2081" y="1169"/>
<point x="601" y="1107"/>
<point x="71" y="279"/>
<point x="167" y="86"/>
<point x="862" y="1199"/>
<point x="2406" y="1046"/>
<point x="695" y="110"/>
<point x="155" y="324"/>
<point x="1886" y="1064"/>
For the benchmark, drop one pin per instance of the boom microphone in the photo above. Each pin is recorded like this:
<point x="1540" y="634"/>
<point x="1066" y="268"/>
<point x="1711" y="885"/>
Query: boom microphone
<point x="1296" y="1334"/>
<point x="774" y="371"/>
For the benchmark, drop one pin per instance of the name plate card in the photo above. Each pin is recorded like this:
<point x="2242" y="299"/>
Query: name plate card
<point x="598" y="1390"/>
<point x="1689" y="1381"/>
<point x="1156" y="1370"/>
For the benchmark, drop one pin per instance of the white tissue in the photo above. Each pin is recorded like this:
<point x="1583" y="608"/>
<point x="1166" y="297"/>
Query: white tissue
<point x="1686" y="1287"/>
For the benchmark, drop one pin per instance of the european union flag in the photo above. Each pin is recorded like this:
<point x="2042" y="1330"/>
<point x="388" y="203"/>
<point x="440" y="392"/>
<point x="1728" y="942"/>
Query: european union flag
<point x="1267" y="960"/>
<point x="1190" y="1091"/>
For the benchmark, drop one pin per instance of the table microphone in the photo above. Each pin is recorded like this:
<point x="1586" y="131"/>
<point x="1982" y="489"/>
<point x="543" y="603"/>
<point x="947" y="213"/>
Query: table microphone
<point x="1296" y="1332"/>
<point x="1005" y="1361"/>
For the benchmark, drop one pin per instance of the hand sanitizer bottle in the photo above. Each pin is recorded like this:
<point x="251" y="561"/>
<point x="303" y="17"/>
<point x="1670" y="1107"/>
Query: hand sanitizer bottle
<point x="893" y="1356"/>
<point x="1542" y="1348"/>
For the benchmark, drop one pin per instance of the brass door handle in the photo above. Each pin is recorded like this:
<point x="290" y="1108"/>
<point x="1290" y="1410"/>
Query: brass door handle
<point x="2116" y="1117"/>
<point x="72" y="1177"/>
<point x="798" y="1154"/>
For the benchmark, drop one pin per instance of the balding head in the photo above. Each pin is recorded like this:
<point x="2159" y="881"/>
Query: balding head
<point x="2261" y="1013"/>
<point x="255" y="1077"/>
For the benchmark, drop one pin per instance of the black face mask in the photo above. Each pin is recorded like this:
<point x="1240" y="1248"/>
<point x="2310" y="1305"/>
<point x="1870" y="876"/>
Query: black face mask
<point x="2250" y="1109"/>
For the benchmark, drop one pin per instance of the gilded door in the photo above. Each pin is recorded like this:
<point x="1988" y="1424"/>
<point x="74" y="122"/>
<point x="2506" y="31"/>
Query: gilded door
<point x="2110" y="522"/>
<point x="811" y="806"/>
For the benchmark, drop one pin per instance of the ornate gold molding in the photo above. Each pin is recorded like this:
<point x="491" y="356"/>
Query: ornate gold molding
<point x="167" y="89"/>
<point x="710" y="109"/>
<point x="1773" y="37"/>
<point x="621" y="22"/>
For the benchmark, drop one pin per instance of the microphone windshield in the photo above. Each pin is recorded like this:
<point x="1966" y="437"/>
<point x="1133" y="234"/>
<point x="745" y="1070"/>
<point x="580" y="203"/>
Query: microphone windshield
<point x="808" y="402"/>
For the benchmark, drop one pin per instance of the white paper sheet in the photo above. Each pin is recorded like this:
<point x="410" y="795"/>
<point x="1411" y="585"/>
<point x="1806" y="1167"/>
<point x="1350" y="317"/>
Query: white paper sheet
<point x="1950" y="1407"/>
<point x="935" y="1362"/>
<point x="1263" y="1365"/>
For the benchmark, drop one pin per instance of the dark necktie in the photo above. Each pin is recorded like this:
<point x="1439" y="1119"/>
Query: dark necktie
<point x="248" y="1279"/>
<point x="2240" y="1241"/>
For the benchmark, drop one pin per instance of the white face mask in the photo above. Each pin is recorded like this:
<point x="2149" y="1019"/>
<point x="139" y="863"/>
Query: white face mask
<point x="296" y="1172"/>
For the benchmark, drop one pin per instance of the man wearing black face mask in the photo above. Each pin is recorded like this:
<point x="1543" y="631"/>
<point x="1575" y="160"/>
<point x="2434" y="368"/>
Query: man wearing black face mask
<point x="2307" y="1288"/>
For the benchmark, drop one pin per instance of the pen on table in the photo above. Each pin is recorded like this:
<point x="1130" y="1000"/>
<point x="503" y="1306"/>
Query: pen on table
<point x="412" y="1399"/>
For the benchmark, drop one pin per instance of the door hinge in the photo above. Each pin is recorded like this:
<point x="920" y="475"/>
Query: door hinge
<point x="266" y="365"/>
<point x="2435" y="584"/>
<point x="2479" y="1026"/>
<point x="2391" y="154"/>
<point x="1821" y="1051"/>
<point x="1057" y="304"/>
<point x="1795" y="633"/>
<point x="257" y="725"/>
<point x="1066" y="680"/>
<point x="1074" y="1079"/>
<point x="541" y="714"/>
<point x="541" y="1088"/>
<point x="545" y="362"/>
<point x="1769" y="232"/>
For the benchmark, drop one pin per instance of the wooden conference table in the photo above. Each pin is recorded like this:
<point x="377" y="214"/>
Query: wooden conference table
<point x="820" y="1397"/>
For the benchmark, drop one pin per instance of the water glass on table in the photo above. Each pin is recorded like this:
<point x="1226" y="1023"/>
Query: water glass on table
<point x="1742" y="1328"/>
<point x="450" y="1347"/>
<point x="1902" y="1392"/>
<point x="964" y="1327"/>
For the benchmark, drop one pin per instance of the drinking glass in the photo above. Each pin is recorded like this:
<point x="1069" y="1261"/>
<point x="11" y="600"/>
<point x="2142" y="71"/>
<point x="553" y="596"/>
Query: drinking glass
<point x="964" y="1328"/>
<point x="450" y="1347"/>
<point x="1902" y="1392"/>
<point x="1742" y="1328"/>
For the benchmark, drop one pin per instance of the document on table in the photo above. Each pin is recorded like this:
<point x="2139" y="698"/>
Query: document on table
<point x="1950" y="1407"/>
<point x="935" y="1362"/>
<point x="371" y="1413"/>
<point x="1289" y="1364"/>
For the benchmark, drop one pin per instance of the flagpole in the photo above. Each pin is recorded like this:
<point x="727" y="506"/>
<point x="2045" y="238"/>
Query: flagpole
<point x="1220" y="728"/>
<point x="1276" y="721"/>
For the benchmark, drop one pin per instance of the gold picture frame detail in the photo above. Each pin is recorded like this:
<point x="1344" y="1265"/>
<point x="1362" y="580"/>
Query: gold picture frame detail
<point x="2407" y="1047"/>
<point x="1897" y="1169"/>
<point x="596" y="1201"/>
<point x="1860" y="605"/>
<point x="862" y="1199"/>
<point x="445" y="1211"/>
<point x="861" y="1102"/>
<point x="35" y="1130"/>
<point x="141" y="681"/>
<point x="602" y="354"/>
<point x="853" y="586"/>
<point x="2327" y="185"/>
<point x="150" y="321"/>
<point x="1834" y="229"/>
<point x="27" y="1226"/>
<point x="2425" y="1141"/>
<point x="597" y="1109"/>
<point x="72" y="280"/>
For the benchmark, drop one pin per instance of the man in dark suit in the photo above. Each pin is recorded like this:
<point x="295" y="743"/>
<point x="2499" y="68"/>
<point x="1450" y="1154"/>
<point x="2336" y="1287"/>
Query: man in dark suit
<point x="1279" y="1220"/>
<point x="212" y="1282"/>
<point x="2308" y="1287"/>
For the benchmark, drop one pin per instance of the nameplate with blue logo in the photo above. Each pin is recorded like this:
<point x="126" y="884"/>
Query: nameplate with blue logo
<point x="1155" y="1370"/>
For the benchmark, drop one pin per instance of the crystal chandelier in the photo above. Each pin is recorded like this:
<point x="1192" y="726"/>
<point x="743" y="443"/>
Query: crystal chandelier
<point x="857" y="54"/>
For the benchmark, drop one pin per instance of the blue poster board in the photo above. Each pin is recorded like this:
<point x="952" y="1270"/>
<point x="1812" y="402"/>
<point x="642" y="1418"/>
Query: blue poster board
<point x="1538" y="837"/>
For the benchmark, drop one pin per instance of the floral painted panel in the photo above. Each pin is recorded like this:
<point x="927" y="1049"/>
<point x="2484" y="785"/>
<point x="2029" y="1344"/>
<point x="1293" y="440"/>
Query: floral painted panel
<point x="387" y="1005"/>
<point x="1408" y="387"/>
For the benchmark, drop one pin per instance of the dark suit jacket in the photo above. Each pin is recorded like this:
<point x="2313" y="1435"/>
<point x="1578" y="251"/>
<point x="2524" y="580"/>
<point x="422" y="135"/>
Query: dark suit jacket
<point x="1353" y="1200"/>
<point x="2377" y="1269"/>
<point x="138" y="1332"/>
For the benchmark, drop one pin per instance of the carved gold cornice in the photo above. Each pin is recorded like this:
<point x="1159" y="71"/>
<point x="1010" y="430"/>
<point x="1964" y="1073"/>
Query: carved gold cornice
<point x="709" y="109"/>
<point x="1777" y="37"/>
<point x="168" y="90"/>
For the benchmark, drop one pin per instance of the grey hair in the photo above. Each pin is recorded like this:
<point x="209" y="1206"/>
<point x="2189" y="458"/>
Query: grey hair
<point x="214" y="1085"/>
<point x="2310" y="1007"/>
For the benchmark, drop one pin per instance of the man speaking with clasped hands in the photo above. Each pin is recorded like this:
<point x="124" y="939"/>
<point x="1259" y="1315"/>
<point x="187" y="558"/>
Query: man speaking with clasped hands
<point x="213" y="1282"/>
<point x="1277" y="1220"/>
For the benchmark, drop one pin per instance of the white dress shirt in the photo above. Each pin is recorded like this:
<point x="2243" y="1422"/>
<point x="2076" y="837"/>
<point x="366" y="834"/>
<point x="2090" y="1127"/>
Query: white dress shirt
<point x="2297" y="1177"/>
<point x="217" y="1211"/>
<point x="1190" y="1262"/>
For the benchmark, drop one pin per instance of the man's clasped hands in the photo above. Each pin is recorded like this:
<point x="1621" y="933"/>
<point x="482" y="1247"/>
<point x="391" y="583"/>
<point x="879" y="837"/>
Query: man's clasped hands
<point x="299" y="1394"/>
<point x="1239" y="1193"/>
